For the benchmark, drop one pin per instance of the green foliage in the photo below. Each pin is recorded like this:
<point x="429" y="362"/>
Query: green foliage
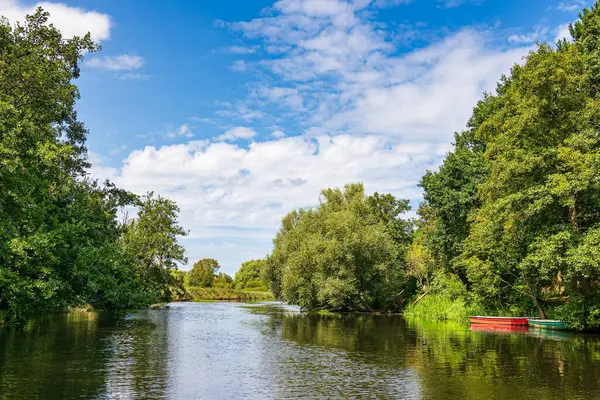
<point x="152" y="240"/>
<point x="514" y="209"/>
<point x="248" y="277"/>
<point x="58" y="231"/>
<point x="438" y="307"/>
<point x="222" y="280"/>
<point x="177" y="286"/>
<point x="343" y="255"/>
<point x="447" y="299"/>
<point x="61" y="244"/>
<point x="214" y="294"/>
<point x="203" y="273"/>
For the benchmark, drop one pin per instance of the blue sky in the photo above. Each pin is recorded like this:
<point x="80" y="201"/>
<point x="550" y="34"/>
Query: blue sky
<point x="244" y="110"/>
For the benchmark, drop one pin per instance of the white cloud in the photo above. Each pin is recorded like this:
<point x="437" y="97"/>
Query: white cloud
<point x="239" y="66"/>
<point x="227" y="191"/>
<point x="563" y="32"/>
<point x="239" y="132"/>
<point x="240" y="49"/>
<point x="575" y="5"/>
<point x="338" y="72"/>
<point x="278" y="134"/>
<point x="538" y="34"/>
<point x="71" y="21"/>
<point x="183" y="131"/>
<point x="123" y="62"/>
<point x="368" y="112"/>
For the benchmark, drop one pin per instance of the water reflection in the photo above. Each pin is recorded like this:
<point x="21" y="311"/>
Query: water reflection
<point x="138" y="356"/>
<point x="228" y="351"/>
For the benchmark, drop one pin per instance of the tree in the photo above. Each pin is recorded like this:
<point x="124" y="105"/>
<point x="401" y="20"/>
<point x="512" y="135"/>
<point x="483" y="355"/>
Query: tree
<point x="339" y="256"/>
<point x="248" y="276"/>
<point x="541" y="194"/>
<point x="59" y="236"/>
<point x="222" y="280"/>
<point x="515" y="209"/>
<point x="203" y="273"/>
<point x="450" y="194"/>
<point x="153" y="240"/>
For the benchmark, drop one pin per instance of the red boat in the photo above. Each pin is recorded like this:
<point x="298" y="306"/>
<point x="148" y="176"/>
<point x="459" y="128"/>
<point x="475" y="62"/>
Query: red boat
<point x="499" y="321"/>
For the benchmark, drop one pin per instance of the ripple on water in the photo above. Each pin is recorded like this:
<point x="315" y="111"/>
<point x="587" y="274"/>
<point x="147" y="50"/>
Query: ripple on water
<point x="270" y="351"/>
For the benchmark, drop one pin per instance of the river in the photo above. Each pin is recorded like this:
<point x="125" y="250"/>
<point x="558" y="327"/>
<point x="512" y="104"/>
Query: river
<point x="269" y="351"/>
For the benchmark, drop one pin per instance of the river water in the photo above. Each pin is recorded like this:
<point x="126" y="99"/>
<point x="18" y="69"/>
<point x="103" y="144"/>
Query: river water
<point x="268" y="351"/>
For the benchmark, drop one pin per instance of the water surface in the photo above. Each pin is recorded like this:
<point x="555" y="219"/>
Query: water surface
<point x="234" y="351"/>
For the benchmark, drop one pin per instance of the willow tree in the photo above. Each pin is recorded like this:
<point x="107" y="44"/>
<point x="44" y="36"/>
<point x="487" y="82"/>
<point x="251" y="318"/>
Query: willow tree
<point x="342" y="255"/>
<point x="248" y="277"/>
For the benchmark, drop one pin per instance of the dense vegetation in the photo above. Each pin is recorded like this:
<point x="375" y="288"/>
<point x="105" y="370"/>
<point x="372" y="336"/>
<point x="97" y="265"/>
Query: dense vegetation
<point x="205" y="282"/>
<point x="514" y="211"/>
<point x="249" y="277"/>
<point x="61" y="242"/>
<point x="344" y="255"/>
<point x="510" y="223"/>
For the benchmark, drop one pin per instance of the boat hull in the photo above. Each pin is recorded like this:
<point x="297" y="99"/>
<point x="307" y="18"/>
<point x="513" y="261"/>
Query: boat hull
<point x="499" y="321"/>
<point x="548" y="324"/>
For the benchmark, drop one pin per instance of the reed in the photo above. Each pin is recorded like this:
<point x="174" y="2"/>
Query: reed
<point x="437" y="307"/>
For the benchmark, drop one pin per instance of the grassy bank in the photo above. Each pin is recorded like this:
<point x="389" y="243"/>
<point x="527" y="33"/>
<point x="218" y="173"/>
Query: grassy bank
<point x="438" y="307"/>
<point x="207" y="294"/>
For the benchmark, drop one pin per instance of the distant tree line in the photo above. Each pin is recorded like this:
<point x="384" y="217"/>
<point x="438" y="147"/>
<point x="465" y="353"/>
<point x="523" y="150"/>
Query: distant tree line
<point x="205" y="273"/>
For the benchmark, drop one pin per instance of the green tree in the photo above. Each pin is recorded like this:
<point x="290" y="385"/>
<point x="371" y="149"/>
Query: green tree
<point x="339" y="256"/>
<point x="450" y="194"/>
<point x="152" y="238"/>
<point x="248" y="277"/>
<point x="514" y="209"/>
<point x="222" y="280"/>
<point x="59" y="236"/>
<point x="203" y="273"/>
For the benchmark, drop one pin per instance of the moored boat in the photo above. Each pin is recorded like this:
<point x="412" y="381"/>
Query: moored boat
<point x="499" y="321"/>
<point x="548" y="324"/>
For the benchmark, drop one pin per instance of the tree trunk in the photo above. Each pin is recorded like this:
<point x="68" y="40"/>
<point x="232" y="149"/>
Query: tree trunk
<point x="533" y="295"/>
<point x="419" y="299"/>
<point x="539" y="307"/>
<point x="573" y="217"/>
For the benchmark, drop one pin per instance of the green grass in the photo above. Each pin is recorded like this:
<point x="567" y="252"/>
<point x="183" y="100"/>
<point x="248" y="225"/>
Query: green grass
<point x="437" y="307"/>
<point x="214" y="294"/>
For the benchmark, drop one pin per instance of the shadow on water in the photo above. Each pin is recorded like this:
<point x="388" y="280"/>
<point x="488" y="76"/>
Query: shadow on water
<point x="231" y="351"/>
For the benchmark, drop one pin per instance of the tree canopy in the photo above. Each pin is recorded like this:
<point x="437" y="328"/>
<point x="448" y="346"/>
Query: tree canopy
<point x="514" y="210"/>
<point x="203" y="272"/>
<point x="61" y="243"/>
<point x="342" y="255"/>
<point x="249" y="277"/>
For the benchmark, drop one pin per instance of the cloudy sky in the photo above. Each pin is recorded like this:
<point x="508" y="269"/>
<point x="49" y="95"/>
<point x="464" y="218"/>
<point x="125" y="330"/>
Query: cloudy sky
<point x="242" y="110"/>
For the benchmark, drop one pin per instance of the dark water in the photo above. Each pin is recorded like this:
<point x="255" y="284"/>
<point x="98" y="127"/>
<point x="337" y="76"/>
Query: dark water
<point x="228" y="351"/>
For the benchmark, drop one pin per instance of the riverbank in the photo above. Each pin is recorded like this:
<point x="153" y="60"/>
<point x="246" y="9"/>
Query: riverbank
<point x="200" y="294"/>
<point x="437" y="307"/>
